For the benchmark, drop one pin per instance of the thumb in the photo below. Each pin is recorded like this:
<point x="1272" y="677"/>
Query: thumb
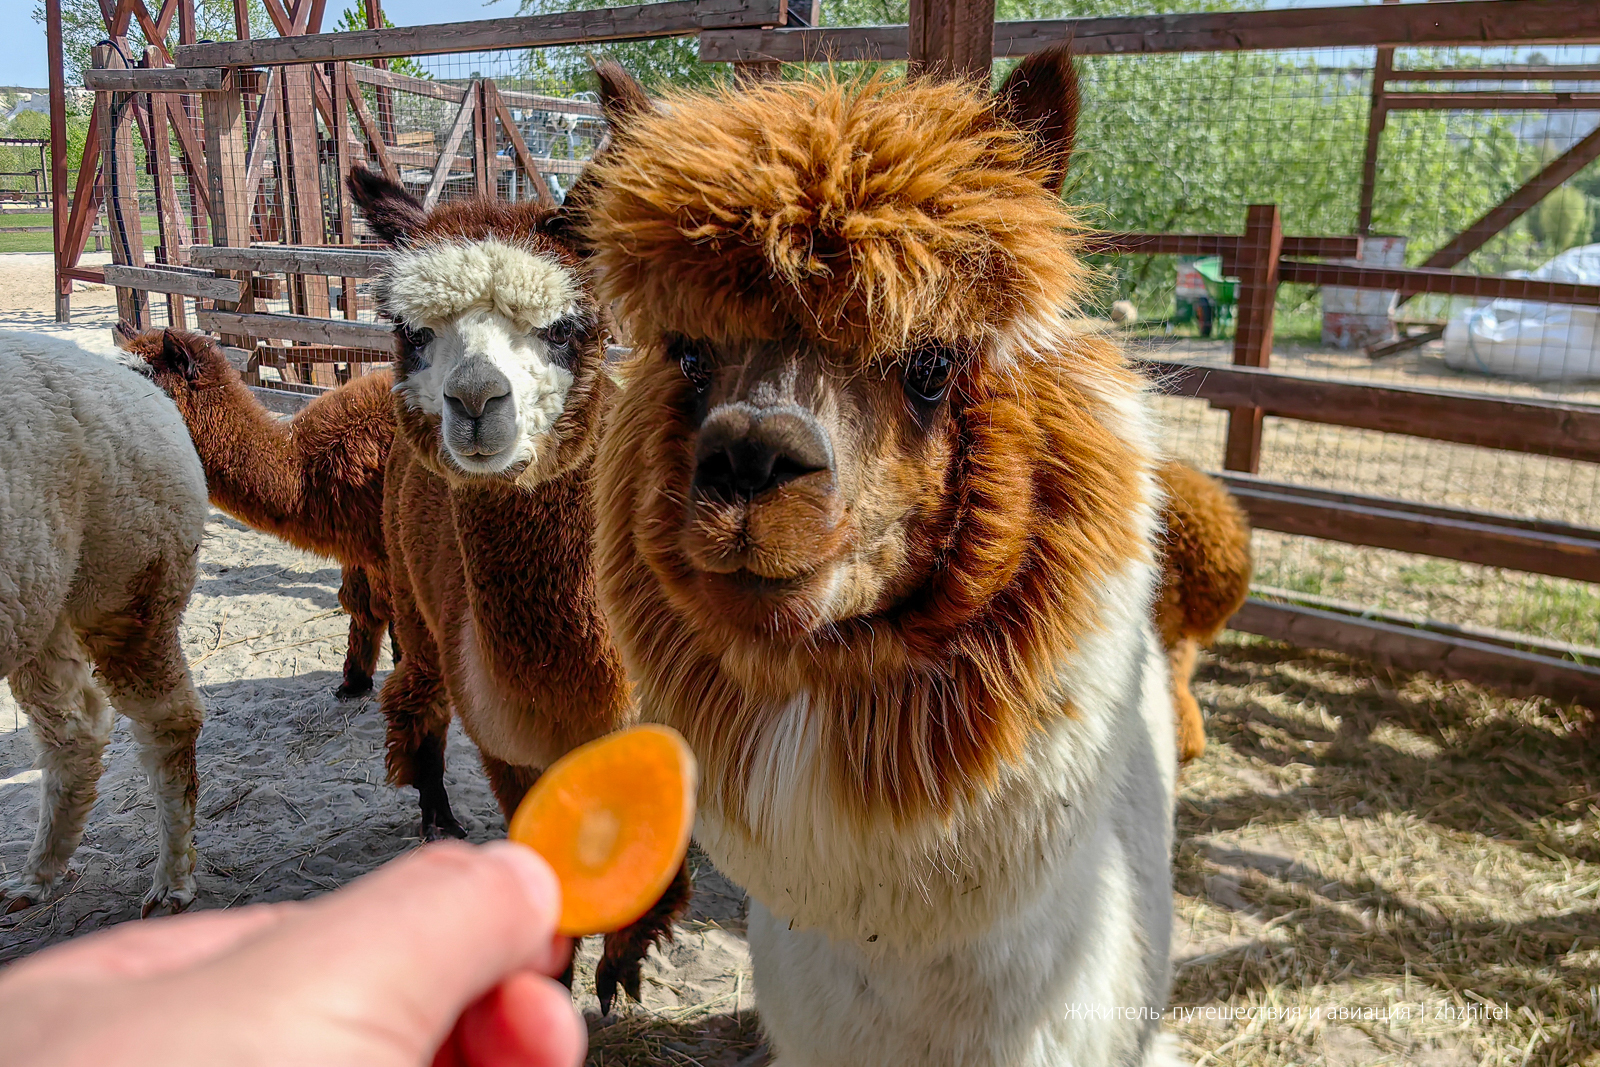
<point x="400" y="953"/>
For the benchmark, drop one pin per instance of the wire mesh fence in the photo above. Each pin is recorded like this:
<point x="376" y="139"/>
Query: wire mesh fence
<point x="1184" y="143"/>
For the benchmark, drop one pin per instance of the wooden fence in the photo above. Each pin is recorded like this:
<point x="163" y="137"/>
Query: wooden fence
<point x="222" y="257"/>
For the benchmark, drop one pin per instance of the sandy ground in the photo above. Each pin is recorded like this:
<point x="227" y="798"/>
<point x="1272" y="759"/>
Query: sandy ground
<point x="1372" y="868"/>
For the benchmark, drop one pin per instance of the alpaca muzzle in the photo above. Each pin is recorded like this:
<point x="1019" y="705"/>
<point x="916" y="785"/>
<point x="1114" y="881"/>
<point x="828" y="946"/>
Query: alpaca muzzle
<point x="480" y="415"/>
<point x="764" y="493"/>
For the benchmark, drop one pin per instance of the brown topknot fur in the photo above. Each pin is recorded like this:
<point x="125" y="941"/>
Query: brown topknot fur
<point x="871" y="214"/>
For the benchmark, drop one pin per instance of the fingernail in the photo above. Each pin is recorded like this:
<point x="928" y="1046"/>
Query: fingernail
<point x="535" y="875"/>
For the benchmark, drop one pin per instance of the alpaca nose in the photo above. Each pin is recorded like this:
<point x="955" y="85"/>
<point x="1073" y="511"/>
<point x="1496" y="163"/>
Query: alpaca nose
<point x="471" y="390"/>
<point x="744" y="450"/>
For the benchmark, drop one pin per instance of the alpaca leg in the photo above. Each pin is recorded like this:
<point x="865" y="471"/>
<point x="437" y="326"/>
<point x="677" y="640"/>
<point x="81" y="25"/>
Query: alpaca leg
<point x="509" y="782"/>
<point x="154" y="690"/>
<point x="71" y="723"/>
<point x="366" y="634"/>
<point x="625" y="950"/>
<point x="418" y="718"/>
<point x="1182" y="658"/>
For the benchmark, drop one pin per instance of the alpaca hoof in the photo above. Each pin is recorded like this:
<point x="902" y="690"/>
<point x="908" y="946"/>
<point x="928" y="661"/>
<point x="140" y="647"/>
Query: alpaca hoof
<point x="442" y="828"/>
<point x="611" y="973"/>
<point x="19" y="894"/>
<point x="167" y="900"/>
<point x="354" y="686"/>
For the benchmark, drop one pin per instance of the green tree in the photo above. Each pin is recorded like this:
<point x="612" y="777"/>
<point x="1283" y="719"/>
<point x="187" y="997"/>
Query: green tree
<point x="353" y="19"/>
<point x="83" y="26"/>
<point x="1561" y="220"/>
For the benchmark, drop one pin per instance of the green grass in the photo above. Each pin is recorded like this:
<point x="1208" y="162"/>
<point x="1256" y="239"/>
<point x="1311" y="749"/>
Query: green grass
<point x="1566" y="611"/>
<point x="24" y="218"/>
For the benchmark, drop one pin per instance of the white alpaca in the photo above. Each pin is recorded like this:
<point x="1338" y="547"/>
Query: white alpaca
<point x="103" y="504"/>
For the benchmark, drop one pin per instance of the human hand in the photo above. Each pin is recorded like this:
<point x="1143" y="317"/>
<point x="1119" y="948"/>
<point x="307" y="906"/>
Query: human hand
<point x="439" y="957"/>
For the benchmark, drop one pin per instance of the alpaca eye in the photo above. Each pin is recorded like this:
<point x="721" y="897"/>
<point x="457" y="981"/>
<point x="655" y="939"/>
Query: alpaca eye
<point x="416" y="339"/>
<point x="694" y="359"/>
<point x="559" y="334"/>
<point x="928" y="372"/>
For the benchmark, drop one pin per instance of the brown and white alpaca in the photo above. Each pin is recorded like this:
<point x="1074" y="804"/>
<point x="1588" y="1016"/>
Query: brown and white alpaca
<point x="876" y="533"/>
<point x="316" y="480"/>
<point x="1205" y="577"/>
<point x="499" y="385"/>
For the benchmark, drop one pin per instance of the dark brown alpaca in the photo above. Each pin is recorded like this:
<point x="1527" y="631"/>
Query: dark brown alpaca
<point x="316" y="480"/>
<point x="500" y="384"/>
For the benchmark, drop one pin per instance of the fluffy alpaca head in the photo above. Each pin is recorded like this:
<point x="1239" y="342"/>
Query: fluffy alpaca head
<point x="184" y="364"/>
<point x="499" y="344"/>
<point x="860" y="466"/>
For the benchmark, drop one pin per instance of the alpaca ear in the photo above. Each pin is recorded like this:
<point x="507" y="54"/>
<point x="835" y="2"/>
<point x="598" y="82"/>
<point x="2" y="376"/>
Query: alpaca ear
<point x="176" y="355"/>
<point x="1041" y="96"/>
<point x="621" y="95"/>
<point x="123" y="335"/>
<point x="621" y="98"/>
<point x="394" y="214"/>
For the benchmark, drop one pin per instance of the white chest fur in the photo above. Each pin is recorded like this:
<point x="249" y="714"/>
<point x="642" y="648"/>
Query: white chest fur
<point x="1016" y="933"/>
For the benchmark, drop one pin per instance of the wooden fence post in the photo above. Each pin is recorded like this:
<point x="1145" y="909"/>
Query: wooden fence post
<point x="309" y="292"/>
<point x="952" y="38"/>
<point x="122" y="185"/>
<point x="1257" y="269"/>
<point x="58" y="159"/>
<point x="225" y="171"/>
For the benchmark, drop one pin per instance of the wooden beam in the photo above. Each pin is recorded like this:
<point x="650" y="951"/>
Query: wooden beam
<point x="373" y="336"/>
<point x="374" y="132"/>
<point x="122" y="187"/>
<point x="55" y="59"/>
<point x="225" y="166"/>
<point x="1518" y="203"/>
<point x="260" y="143"/>
<point x="519" y="146"/>
<point x="637" y="22"/>
<point x="1463" y="22"/>
<point x="951" y="38"/>
<point x="1537" y="427"/>
<point x="1378" y="522"/>
<point x="156" y="80"/>
<point x="404" y="83"/>
<point x="1225" y="245"/>
<point x="1413" y="649"/>
<point x="202" y="285"/>
<point x="341" y="158"/>
<point x="308" y="293"/>
<point x="174" y="231"/>
<point x="1377" y="119"/>
<point x="1556" y="73"/>
<point x="442" y="168"/>
<point x="1488" y="101"/>
<point x="287" y="259"/>
<point x="1414" y="280"/>
<point x="1258" y="256"/>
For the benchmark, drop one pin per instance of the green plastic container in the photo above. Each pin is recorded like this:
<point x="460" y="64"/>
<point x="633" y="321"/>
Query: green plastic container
<point x="1224" y="292"/>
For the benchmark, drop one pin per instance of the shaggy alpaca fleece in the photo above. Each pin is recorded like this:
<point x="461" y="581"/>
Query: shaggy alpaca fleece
<point x="315" y="480"/>
<point x="491" y="568"/>
<point x="950" y="799"/>
<point x="103" y="506"/>
<point x="1205" y="578"/>
<point x="438" y="282"/>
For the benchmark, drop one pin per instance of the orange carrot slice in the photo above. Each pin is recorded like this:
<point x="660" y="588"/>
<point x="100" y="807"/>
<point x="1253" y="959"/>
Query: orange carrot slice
<point x="612" y="818"/>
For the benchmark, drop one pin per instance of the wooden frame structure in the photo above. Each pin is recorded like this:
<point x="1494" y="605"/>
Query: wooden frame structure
<point x="222" y="264"/>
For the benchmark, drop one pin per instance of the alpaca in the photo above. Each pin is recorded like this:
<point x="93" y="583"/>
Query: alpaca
<point x="1205" y="577"/>
<point x="103" y="504"/>
<point x="316" y="481"/>
<point x="876" y="532"/>
<point x="499" y="385"/>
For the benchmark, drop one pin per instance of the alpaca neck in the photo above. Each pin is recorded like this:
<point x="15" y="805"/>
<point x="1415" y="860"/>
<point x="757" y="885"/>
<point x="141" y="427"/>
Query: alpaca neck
<point x="526" y="553"/>
<point x="252" y="466"/>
